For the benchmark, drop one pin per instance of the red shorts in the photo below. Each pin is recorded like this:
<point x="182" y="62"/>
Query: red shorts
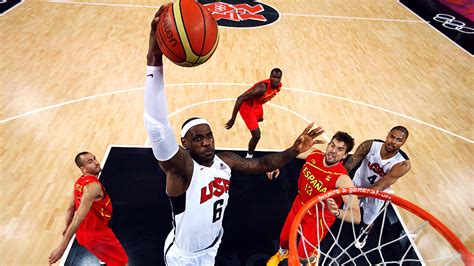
<point x="104" y="245"/>
<point x="309" y="227"/>
<point x="251" y="115"/>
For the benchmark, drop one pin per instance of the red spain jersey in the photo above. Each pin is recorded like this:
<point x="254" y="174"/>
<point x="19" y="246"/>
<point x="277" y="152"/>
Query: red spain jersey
<point x="316" y="179"/>
<point x="100" y="213"/>
<point x="267" y="96"/>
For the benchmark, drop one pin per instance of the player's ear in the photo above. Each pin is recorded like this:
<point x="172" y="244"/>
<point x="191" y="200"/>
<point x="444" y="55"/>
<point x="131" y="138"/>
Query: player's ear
<point x="184" y="143"/>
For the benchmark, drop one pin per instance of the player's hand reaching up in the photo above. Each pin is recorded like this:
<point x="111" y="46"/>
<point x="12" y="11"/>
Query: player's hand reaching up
<point x="307" y="139"/>
<point x="154" y="56"/>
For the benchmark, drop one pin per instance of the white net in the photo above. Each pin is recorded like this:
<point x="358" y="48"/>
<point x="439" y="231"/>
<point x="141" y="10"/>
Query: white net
<point x="426" y="241"/>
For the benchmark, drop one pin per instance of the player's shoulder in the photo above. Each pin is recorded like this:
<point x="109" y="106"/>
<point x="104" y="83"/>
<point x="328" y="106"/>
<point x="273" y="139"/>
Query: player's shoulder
<point x="403" y="154"/>
<point x="315" y="153"/>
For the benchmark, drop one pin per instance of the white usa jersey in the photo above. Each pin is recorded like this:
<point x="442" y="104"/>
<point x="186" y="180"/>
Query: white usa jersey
<point x="373" y="168"/>
<point x="198" y="213"/>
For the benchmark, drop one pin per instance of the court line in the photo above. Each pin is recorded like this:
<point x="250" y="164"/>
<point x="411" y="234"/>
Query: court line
<point x="354" y="18"/>
<point x="433" y="27"/>
<point x="99" y="4"/>
<point x="147" y="142"/>
<point x="242" y="84"/>
<point x="282" y="14"/>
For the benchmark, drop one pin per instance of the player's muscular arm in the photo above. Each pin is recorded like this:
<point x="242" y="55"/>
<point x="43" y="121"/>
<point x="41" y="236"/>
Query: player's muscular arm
<point x="391" y="177"/>
<point x="258" y="91"/>
<point x="352" y="212"/>
<point x="273" y="161"/>
<point x="258" y="165"/>
<point x="178" y="170"/>
<point x="358" y="155"/>
<point x="70" y="212"/>
<point x="90" y="193"/>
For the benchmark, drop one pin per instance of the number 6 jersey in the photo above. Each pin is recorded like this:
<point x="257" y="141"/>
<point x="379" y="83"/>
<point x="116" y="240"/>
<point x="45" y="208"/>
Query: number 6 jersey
<point x="198" y="213"/>
<point x="373" y="167"/>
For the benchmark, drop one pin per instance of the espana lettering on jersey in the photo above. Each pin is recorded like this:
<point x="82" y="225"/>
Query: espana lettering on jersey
<point x="313" y="182"/>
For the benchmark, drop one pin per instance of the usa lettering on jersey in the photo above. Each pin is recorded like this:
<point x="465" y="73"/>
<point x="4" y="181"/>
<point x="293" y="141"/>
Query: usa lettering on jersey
<point x="217" y="187"/>
<point x="376" y="168"/>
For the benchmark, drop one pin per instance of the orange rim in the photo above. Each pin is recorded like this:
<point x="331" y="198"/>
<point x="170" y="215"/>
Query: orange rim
<point x="453" y="240"/>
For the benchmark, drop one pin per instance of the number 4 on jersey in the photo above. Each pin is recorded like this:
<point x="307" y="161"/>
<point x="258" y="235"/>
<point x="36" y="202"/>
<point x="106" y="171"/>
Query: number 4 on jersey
<point x="372" y="179"/>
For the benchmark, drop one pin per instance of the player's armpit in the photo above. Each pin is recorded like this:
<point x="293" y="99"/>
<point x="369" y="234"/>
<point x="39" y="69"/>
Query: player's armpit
<point x="178" y="171"/>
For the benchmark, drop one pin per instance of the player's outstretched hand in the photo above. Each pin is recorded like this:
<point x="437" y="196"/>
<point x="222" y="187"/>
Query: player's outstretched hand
<point x="157" y="16"/>
<point x="273" y="174"/>
<point x="154" y="56"/>
<point x="56" y="254"/>
<point x="307" y="139"/>
<point x="229" y="124"/>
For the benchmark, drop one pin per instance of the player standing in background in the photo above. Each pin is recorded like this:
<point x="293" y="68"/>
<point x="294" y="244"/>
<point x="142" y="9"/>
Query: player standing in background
<point x="381" y="165"/>
<point x="250" y="106"/>
<point x="88" y="215"/>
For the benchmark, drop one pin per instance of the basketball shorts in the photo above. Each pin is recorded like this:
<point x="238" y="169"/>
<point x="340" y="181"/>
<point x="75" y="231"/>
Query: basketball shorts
<point x="104" y="245"/>
<point x="174" y="256"/>
<point x="372" y="207"/>
<point x="251" y="115"/>
<point x="314" y="230"/>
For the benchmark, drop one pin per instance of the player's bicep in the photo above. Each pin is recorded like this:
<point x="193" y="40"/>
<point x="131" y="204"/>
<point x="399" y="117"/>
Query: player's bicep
<point x="240" y="164"/>
<point x="400" y="169"/>
<point x="259" y="90"/>
<point x="344" y="181"/>
<point x="90" y="193"/>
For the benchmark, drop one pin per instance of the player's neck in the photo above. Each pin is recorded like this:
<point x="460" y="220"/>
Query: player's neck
<point x="384" y="154"/>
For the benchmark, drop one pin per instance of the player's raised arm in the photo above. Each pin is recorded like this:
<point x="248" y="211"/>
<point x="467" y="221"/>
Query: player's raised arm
<point x="276" y="160"/>
<point x="175" y="162"/>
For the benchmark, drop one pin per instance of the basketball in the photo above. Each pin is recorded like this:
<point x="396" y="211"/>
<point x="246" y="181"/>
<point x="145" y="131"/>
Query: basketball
<point x="187" y="33"/>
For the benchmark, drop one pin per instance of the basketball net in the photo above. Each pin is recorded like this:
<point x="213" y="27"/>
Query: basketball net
<point x="430" y="240"/>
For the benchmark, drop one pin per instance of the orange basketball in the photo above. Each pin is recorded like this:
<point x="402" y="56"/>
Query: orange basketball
<point x="187" y="33"/>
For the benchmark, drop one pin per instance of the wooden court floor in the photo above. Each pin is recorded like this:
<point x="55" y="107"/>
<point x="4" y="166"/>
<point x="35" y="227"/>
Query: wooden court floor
<point x="72" y="77"/>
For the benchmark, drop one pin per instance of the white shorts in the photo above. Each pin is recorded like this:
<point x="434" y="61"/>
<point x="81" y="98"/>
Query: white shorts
<point x="174" y="256"/>
<point x="371" y="207"/>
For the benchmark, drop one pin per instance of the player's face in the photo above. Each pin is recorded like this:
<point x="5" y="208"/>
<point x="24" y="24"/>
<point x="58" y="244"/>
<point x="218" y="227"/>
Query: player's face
<point x="335" y="152"/>
<point x="200" y="143"/>
<point x="275" y="78"/>
<point x="395" y="139"/>
<point x="90" y="165"/>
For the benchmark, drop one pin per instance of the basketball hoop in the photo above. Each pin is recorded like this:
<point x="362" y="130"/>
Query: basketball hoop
<point x="350" y="254"/>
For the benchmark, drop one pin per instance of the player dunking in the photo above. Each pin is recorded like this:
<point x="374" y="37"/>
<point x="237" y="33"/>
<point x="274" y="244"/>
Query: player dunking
<point x="320" y="173"/>
<point x="250" y="106"/>
<point x="89" y="213"/>
<point x="381" y="165"/>
<point x="197" y="180"/>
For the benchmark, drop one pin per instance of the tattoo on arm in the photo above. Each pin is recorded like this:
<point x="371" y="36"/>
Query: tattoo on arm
<point x="258" y="165"/>
<point x="358" y="155"/>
